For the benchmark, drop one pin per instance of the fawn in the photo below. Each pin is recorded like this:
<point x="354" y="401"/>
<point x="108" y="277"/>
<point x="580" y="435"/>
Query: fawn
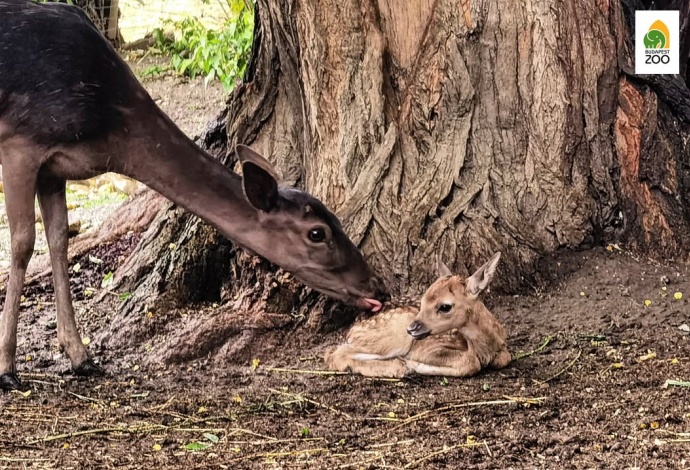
<point x="452" y="333"/>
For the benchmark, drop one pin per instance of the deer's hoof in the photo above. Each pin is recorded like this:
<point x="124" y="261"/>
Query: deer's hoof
<point x="10" y="382"/>
<point x="88" y="368"/>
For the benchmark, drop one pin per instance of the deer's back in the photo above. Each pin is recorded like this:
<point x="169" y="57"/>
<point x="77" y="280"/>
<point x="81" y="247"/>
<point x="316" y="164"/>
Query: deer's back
<point x="60" y="80"/>
<point x="384" y="334"/>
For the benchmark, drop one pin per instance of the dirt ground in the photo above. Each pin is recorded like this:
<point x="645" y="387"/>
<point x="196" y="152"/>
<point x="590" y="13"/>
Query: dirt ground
<point x="599" y="345"/>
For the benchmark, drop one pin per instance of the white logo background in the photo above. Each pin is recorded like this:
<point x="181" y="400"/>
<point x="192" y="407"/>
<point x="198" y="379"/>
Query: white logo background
<point x="643" y="20"/>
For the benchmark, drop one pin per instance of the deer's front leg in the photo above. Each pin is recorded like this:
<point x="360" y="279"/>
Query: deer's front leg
<point x="20" y="191"/>
<point x="51" y="197"/>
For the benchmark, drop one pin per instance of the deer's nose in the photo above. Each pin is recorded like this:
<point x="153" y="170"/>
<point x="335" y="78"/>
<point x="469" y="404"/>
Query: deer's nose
<point x="378" y="287"/>
<point x="418" y="330"/>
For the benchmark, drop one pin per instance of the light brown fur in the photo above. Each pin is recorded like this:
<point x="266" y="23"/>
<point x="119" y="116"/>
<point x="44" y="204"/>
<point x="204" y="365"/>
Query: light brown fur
<point x="461" y="342"/>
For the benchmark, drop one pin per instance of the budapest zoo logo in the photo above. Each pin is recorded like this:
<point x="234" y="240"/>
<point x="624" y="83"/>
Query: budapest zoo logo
<point x="657" y="44"/>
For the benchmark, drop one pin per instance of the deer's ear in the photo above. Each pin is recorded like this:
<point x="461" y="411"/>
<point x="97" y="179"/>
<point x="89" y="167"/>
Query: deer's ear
<point x="480" y="280"/>
<point x="247" y="155"/>
<point x="442" y="269"/>
<point x="258" y="179"/>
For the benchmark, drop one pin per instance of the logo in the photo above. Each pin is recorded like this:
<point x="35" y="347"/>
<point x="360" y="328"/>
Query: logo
<point x="656" y="42"/>
<point x="657" y="37"/>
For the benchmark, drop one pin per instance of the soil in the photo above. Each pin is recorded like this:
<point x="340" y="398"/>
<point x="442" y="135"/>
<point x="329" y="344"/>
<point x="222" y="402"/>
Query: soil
<point x="593" y="397"/>
<point x="586" y="389"/>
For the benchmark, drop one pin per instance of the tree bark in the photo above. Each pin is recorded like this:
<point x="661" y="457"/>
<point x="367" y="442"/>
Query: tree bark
<point x="435" y="127"/>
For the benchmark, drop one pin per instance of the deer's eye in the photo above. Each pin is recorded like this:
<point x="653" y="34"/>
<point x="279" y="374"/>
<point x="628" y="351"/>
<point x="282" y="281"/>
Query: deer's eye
<point x="445" y="308"/>
<point x="317" y="235"/>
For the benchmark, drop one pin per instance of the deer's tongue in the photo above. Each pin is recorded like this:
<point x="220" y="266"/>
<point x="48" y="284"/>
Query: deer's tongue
<point x="374" y="305"/>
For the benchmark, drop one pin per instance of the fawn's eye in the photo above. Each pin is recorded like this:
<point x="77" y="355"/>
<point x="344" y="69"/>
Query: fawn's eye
<point x="445" y="308"/>
<point x="317" y="235"/>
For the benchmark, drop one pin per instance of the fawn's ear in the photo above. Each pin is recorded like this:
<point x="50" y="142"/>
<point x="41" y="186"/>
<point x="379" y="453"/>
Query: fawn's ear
<point x="480" y="280"/>
<point x="442" y="269"/>
<point x="259" y="179"/>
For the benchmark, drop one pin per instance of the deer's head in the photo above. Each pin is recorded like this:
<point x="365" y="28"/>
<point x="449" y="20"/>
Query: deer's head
<point x="449" y="302"/>
<point x="298" y="233"/>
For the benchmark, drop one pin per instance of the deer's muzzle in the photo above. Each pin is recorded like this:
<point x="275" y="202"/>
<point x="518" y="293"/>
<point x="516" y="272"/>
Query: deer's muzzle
<point x="418" y="330"/>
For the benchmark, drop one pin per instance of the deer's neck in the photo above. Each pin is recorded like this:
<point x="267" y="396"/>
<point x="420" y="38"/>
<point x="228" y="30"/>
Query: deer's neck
<point x="161" y="156"/>
<point x="484" y="334"/>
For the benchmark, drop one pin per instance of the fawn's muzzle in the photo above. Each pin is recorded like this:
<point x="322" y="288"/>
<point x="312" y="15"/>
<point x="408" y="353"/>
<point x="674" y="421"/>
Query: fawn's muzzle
<point x="418" y="330"/>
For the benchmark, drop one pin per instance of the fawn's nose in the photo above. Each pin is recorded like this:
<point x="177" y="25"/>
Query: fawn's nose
<point x="418" y="330"/>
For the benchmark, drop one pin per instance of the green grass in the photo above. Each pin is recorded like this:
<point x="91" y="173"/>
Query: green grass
<point x="94" y="200"/>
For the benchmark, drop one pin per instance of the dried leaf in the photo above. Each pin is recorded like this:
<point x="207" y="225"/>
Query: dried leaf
<point x="646" y="357"/>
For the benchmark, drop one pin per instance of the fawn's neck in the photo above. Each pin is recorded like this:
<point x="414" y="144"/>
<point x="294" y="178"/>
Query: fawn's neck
<point x="484" y="334"/>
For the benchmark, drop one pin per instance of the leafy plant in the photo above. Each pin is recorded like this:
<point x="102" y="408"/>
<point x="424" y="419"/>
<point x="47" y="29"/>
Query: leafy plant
<point x="152" y="71"/>
<point x="217" y="54"/>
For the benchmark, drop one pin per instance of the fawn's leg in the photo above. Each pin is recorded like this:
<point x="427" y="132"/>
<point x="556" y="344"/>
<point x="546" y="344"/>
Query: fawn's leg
<point x="344" y="358"/>
<point x="501" y="360"/>
<point x="450" y="363"/>
<point x="20" y="191"/>
<point x="52" y="199"/>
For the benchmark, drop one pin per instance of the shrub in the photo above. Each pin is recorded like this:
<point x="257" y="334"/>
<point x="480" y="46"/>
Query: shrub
<point x="217" y="54"/>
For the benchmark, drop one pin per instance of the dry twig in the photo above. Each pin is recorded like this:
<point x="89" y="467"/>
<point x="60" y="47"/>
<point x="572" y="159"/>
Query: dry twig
<point x="559" y="373"/>
<point x="448" y="408"/>
<point x="546" y="342"/>
<point x="308" y="400"/>
<point x="440" y="452"/>
<point x="304" y="371"/>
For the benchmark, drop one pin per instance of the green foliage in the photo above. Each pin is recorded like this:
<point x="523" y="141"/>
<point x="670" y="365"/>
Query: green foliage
<point x="152" y="71"/>
<point x="217" y="54"/>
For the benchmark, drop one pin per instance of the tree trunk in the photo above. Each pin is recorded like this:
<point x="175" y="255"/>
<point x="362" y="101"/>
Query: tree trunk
<point x="433" y="127"/>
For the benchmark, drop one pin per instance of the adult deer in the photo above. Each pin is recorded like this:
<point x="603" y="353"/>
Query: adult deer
<point x="452" y="333"/>
<point x="70" y="108"/>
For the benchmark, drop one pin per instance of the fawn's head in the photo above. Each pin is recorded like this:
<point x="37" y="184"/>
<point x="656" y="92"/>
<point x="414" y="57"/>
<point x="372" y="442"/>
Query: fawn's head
<point x="449" y="302"/>
<point x="298" y="233"/>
